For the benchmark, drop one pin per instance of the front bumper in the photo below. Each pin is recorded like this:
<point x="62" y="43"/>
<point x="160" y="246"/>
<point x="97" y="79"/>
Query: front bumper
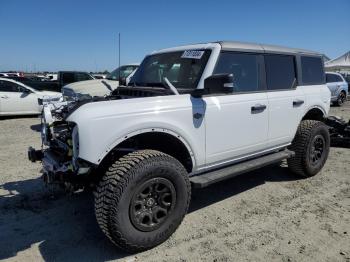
<point x="56" y="170"/>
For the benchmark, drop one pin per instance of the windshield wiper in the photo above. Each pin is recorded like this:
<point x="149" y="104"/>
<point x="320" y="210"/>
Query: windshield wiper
<point x="107" y="85"/>
<point x="170" y="86"/>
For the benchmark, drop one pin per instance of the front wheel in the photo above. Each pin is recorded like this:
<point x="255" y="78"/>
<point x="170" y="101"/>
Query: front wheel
<point x="142" y="199"/>
<point x="311" y="146"/>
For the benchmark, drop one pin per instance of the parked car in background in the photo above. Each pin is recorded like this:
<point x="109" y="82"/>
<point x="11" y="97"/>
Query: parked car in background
<point x="52" y="77"/>
<point x="100" y="87"/>
<point x="63" y="78"/>
<point x="19" y="99"/>
<point x="338" y="87"/>
<point x="10" y="74"/>
<point x="99" y="76"/>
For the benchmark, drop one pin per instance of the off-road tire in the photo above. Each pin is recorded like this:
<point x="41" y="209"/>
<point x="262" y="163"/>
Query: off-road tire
<point x="116" y="190"/>
<point x="341" y="99"/>
<point x="302" y="145"/>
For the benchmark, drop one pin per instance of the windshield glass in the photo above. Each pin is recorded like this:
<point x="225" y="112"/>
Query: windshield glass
<point x="125" y="71"/>
<point x="183" y="69"/>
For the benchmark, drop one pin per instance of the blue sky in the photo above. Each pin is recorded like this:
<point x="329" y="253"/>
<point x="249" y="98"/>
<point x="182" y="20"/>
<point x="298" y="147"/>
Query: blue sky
<point x="83" y="35"/>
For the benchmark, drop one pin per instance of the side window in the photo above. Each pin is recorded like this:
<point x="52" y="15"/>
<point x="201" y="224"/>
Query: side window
<point x="338" y="78"/>
<point x="312" y="70"/>
<point x="7" y="86"/>
<point x="68" y="78"/>
<point x="244" y="68"/>
<point x="332" y="78"/>
<point x="280" y="72"/>
<point x="82" y="77"/>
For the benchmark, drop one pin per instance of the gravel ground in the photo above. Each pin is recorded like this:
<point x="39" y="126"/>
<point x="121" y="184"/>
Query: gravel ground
<point x="266" y="215"/>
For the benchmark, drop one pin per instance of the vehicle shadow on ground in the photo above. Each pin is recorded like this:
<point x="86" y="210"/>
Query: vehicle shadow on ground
<point x="64" y="227"/>
<point x="17" y="117"/>
<point x="217" y="192"/>
<point x="36" y="127"/>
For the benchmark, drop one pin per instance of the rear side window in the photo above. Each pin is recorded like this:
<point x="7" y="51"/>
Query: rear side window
<point x="7" y="86"/>
<point x="312" y="70"/>
<point x="332" y="78"/>
<point x="244" y="68"/>
<point x="280" y="72"/>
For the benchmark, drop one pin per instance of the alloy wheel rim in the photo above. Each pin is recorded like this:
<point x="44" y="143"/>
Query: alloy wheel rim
<point x="152" y="204"/>
<point x="318" y="146"/>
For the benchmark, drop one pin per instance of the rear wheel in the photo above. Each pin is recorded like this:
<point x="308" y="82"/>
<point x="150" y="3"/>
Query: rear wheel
<point x="311" y="147"/>
<point x="142" y="199"/>
<point x="341" y="99"/>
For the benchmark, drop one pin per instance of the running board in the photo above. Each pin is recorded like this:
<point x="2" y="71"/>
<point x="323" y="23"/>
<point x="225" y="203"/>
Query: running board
<point x="206" y="179"/>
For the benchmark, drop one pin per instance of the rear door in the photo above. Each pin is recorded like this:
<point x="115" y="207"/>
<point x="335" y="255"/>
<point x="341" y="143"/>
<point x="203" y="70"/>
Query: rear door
<point x="286" y="100"/>
<point x="237" y="123"/>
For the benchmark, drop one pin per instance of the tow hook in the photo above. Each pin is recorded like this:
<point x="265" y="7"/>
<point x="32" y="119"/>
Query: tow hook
<point x="35" y="155"/>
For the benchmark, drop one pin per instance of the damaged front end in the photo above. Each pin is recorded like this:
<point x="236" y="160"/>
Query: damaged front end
<point x="59" y="152"/>
<point x="60" y="147"/>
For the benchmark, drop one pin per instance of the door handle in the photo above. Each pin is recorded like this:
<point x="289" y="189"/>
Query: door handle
<point x="258" y="108"/>
<point x="4" y="96"/>
<point x="298" y="102"/>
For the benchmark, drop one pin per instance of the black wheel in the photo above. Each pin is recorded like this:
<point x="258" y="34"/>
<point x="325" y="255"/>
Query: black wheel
<point x="311" y="147"/>
<point x="341" y="99"/>
<point x="142" y="199"/>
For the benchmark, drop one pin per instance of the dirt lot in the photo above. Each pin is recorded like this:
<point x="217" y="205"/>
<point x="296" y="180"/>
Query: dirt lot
<point x="267" y="215"/>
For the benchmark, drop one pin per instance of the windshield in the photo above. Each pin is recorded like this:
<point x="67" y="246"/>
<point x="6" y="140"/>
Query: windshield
<point x="125" y="71"/>
<point x="182" y="69"/>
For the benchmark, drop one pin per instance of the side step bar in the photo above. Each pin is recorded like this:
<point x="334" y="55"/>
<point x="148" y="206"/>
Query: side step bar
<point x="206" y="179"/>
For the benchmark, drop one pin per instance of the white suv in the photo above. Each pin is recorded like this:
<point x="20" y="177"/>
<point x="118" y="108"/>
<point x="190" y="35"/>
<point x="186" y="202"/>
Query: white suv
<point x="195" y="114"/>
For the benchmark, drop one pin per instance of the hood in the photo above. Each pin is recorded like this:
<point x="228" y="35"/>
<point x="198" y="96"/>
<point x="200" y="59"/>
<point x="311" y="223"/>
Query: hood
<point x="92" y="87"/>
<point x="44" y="94"/>
<point x="49" y="96"/>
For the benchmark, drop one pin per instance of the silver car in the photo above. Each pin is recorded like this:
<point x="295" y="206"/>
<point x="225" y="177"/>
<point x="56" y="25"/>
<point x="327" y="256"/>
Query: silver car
<point x="338" y="87"/>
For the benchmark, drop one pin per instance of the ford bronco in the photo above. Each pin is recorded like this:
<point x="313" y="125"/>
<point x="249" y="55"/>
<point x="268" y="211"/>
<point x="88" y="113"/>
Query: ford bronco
<point x="190" y="116"/>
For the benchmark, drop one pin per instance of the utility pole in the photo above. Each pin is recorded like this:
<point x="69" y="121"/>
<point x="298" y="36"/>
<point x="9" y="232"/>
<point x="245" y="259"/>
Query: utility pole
<point x="119" y="55"/>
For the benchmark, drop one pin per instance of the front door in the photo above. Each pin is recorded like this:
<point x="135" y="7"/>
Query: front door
<point x="237" y="123"/>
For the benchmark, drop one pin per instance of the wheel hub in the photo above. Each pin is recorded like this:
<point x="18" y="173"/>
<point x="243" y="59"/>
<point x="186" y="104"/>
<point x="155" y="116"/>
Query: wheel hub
<point x="152" y="204"/>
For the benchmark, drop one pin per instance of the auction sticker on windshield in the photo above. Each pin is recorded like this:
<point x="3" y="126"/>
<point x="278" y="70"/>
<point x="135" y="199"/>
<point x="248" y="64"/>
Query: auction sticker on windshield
<point x="194" y="54"/>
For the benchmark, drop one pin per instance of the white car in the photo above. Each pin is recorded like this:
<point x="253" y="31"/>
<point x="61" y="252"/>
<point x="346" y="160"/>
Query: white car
<point x="18" y="99"/>
<point x="195" y="114"/>
<point x="99" y="87"/>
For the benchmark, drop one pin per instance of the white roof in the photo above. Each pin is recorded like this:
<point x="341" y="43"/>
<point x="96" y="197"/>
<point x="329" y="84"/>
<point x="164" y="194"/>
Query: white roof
<point x="341" y="62"/>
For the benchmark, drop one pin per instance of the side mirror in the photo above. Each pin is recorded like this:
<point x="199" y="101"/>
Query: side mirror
<point x="219" y="84"/>
<point x="216" y="84"/>
<point x="26" y="91"/>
